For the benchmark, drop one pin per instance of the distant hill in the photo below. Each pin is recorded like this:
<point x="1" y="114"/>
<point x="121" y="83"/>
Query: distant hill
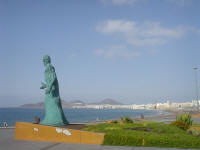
<point x="35" y="105"/>
<point x="107" y="101"/>
<point x="77" y="102"/>
<point x="70" y="104"/>
<point x="65" y="104"/>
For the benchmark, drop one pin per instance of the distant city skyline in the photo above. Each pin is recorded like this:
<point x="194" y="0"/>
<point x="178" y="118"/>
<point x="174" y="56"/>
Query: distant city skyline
<point x="132" y="51"/>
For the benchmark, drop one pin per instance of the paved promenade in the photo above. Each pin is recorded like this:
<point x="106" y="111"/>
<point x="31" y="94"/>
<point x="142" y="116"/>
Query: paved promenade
<point x="7" y="142"/>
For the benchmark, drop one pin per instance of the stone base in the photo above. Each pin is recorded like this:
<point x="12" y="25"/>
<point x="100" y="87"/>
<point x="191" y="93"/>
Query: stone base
<point x="37" y="132"/>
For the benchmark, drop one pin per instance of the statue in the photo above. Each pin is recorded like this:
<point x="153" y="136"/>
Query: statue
<point x="54" y="115"/>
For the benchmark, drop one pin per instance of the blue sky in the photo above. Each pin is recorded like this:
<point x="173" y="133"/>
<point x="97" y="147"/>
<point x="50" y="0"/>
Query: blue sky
<point x="134" y="51"/>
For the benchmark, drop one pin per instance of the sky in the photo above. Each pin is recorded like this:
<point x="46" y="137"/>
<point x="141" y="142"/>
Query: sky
<point x="133" y="51"/>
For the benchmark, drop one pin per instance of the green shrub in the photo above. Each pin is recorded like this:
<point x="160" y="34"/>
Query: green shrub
<point x="126" y="119"/>
<point x="183" y="121"/>
<point x="114" y="121"/>
<point x="180" y="124"/>
<point x="186" y="118"/>
<point x="111" y="121"/>
<point x="121" y="134"/>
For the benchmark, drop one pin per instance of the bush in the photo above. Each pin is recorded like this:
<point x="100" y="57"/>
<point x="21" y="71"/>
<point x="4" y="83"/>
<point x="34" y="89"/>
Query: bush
<point x="186" y="118"/>
<point x="126" y="119"/>
<point x="120" y="134"/>
<point x="112" y="121"/>
<point x="180" y="124"/>
<point x="183" y="121"/>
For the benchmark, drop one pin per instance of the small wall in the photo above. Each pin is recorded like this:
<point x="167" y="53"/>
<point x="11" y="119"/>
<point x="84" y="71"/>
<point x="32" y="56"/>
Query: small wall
<point x="36" y="132"/>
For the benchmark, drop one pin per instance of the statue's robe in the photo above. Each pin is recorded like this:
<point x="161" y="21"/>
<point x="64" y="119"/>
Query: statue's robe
<point x="54" y="115"/>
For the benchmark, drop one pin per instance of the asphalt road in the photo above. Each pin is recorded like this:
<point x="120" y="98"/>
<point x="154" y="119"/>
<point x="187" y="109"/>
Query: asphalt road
<point x="7" y="142"/>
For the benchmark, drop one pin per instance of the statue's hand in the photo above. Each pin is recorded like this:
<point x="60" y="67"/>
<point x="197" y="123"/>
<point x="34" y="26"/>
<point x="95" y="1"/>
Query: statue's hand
<point x="43" y="85"/>
<point x="47" y="91"/>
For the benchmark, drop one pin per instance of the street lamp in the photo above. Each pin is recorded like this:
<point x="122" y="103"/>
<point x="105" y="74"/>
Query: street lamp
<point x="196" y="86"/>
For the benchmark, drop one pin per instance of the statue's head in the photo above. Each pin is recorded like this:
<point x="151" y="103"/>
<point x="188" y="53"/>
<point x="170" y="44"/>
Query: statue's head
<point x="46" y="60"/>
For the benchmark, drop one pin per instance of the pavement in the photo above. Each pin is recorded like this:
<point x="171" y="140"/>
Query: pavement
<point x="7" y="142"/>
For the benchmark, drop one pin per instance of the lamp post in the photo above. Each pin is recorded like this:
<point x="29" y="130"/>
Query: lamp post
<point x="196" y="86"/>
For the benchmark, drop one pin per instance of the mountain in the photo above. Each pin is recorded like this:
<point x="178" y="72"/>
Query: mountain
<point x="70" y="104"/>
<point x="65" y="104"/>
<point x="77" y="102"/>
<point x="35" y="105"/>
<point x="107" y="101"/>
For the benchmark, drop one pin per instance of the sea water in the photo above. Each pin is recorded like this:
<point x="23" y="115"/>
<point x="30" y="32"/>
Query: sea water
<point x="11" y="115"/>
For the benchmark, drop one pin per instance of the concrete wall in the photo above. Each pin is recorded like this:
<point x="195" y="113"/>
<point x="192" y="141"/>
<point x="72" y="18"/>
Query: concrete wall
<point x="36" y="132"/>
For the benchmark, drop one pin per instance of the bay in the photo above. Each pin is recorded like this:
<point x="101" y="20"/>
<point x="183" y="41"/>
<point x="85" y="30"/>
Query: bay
<point x="11" y="115"/>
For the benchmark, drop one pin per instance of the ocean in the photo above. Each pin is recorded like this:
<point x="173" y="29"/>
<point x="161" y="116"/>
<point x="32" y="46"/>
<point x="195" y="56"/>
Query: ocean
<point x="11" y="115"/>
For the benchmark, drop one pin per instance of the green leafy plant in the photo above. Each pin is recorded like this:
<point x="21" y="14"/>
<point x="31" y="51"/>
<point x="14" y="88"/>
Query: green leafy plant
<point x="183" y="121"/>
<point x="126" y="119"/>
<point x="186" y="118"/>
<point x="112" y="121"/>
<point x="180" y="124"/>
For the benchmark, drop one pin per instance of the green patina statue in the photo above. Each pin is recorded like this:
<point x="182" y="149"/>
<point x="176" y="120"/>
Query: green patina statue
<point x="54" y="115"/>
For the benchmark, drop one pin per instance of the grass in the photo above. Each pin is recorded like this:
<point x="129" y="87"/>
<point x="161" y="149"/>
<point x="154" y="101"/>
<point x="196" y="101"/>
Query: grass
<point x="150" y="134"/>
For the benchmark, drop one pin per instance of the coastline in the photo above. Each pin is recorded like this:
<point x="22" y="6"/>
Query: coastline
<point x="161" y="116"/>
<point x="165" y="116"/>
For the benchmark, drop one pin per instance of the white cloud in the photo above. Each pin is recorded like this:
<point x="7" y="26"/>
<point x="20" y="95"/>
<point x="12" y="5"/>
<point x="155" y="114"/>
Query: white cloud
<point x="181" y="2"/>
<point x="147" y="41"/>
<point x="113" y="26"/>
<point x="116" y="51"/>
<point x="132" y="2"/>
<point x="120" y="2"/>
<point x="141" y="34"/>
